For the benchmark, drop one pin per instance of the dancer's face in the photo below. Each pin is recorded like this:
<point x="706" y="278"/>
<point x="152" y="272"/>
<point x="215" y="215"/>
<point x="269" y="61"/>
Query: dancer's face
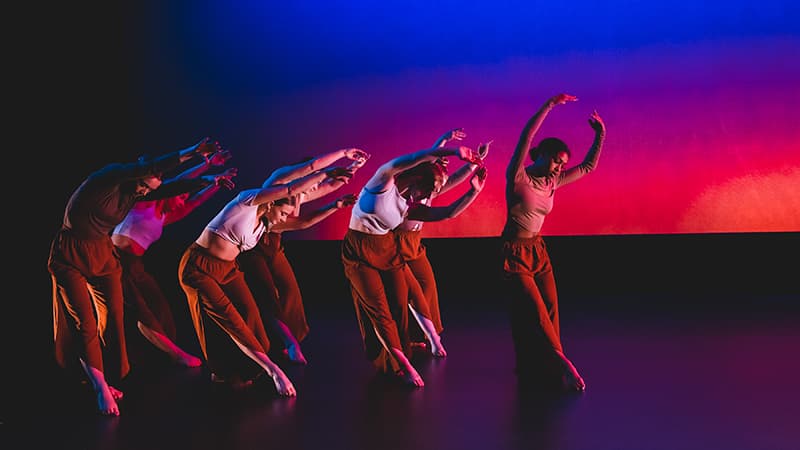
<point x="554" y="164"/>
<point x="146" y="185"/>
<point x="279" y="213"/>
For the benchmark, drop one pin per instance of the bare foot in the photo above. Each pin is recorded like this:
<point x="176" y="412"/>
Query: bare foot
<point x="418" y="345"/>
<point x="115" y="393"/>
<point x="188" y="360"/>
<point x="284" y="387"/>
<point x="295" y="355"/>
<point x="437" y="349"/>
<point x="411" y="377"/>
<point x="106" y="403"/>
<point x="573" y="381"/>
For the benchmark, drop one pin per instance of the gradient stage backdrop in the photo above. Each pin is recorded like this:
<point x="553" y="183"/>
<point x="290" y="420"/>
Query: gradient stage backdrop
<point x="699" y="98"/>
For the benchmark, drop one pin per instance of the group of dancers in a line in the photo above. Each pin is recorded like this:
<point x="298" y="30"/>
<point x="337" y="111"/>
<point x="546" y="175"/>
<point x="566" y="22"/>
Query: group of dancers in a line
<point x="241" y="289"/>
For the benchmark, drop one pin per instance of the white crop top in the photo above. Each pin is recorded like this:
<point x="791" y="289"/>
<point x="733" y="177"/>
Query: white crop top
<point x="142" y="225"/>
<point x="238" y="221"/>
<point x="378" y="213"/>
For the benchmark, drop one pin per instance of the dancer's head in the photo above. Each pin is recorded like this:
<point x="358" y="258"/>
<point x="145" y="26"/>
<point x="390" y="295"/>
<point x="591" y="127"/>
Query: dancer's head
<point x="279" y="210"/>
<point x="550" y="156"/>
<point x="422" y="180"/>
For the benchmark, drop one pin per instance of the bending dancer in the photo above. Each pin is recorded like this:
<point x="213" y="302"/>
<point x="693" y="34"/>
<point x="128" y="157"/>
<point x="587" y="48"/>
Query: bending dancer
<point x="87" y="275"/>
<point x="224" y="312"/>
<point x="371" y="258"/>
<point x="526" y="263"/>
<point x="146" y="305"/>
<point x="423" y="293"/>
<point x="268" y="272"/>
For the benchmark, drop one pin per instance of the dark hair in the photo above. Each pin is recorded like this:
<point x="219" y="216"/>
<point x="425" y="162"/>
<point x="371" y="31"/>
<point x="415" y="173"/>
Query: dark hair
<point x="423" y="175"/>
<point x="283" y="201"/>
<point x="549" y="147"/>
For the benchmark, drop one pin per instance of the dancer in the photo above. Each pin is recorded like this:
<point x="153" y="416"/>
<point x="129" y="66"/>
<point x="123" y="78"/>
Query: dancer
<point x="372" y="263"/>
<point x="86" y="273"/>
<point x="423" y="293"/>
<point x="530" y="189"/>
<point x="268" y="272"/>
<point x="146" y="305"/>
<point x="224" y="313"/>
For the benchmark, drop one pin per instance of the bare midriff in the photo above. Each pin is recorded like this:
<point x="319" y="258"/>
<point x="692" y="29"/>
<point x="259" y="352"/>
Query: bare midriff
<point x="217" y="246"/>
<point x="127" y="244"/>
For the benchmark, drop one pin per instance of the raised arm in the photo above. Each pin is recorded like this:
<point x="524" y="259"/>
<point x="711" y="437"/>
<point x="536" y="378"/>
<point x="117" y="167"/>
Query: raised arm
<point x="223" y="179"/>
<point x="426" y="213"/>
<point x="286" y="174"/>
<point x="589" y="162"/>
<point x="464" y="172"/>
<point x="218" y="158"/>
<point x="384" y="176"/>
<point x="329" y="185"/>
<point x="310" y="219"/>
<point x="150" y="166"/>
<point x="274" y="192"/>
<point x="530" y="129"/>
<point x="456" y="134"/>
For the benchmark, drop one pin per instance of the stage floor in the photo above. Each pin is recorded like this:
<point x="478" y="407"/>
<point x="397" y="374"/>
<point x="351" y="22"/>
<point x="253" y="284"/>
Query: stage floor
<point x="657" y="380"/>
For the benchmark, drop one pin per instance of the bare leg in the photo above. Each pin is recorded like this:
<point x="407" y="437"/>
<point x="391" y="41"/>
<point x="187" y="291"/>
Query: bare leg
<point x="437" y="349"/>
<point x="572" y="379"/>
<point x="281" y="381"/>
<point x="410" y="374"/>
<point x="106" y="396"/>
<point x="293" y="351"/>
<point x="166" y="345"/>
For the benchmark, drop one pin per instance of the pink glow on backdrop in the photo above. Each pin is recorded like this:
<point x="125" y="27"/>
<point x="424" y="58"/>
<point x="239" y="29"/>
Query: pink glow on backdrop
<point x="700" y="139"/>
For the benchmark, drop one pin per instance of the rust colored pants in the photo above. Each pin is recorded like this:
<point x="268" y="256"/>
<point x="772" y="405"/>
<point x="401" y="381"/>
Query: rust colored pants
<point x="380" y="295"/>
<point x="534" y="304"/>
<point x="423" y="293"/>
<point x="271" y="279"/>
<point x="88" y="305"/>
<point x="144" y="299"/>
<point x="223" y="310"/>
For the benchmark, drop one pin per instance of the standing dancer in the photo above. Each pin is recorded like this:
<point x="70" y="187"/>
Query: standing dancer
<point x="146" y="305"/>
<point x="268" y="272"/>
<point x="224" y="313"/>
<point x="372" y="263"/>
<point x="423" y="293"/>
<point x="87" y="275"/>
<point x="526" y="264"/>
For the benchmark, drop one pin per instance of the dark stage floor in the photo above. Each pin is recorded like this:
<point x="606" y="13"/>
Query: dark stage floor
<point x="655" y="380"/>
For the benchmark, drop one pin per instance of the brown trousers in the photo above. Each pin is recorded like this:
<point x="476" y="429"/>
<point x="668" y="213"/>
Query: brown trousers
<point x="534" y="304"/>
<point x="88" y="305"/>
<point x="423" y="293"/>
<point x="375" y="271"/>
<point x="272" y="280"/>
<point x="223" y="310"/>
<point x="145" y="301"/>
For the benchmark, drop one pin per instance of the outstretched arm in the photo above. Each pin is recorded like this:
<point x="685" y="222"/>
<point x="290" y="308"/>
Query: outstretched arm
<point x="426" y="213"/>
<point x="384" y="176"/>
<point x="530" y="129"/>
<point x="292" y="172"/>
<point x="149" y="166"/>
<point x="218" y="158"/>
<point x="331" y="184"/>
<point x="198" y="198"/>
<point x="308" y="220"/>
<point x="274" y="192"/>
